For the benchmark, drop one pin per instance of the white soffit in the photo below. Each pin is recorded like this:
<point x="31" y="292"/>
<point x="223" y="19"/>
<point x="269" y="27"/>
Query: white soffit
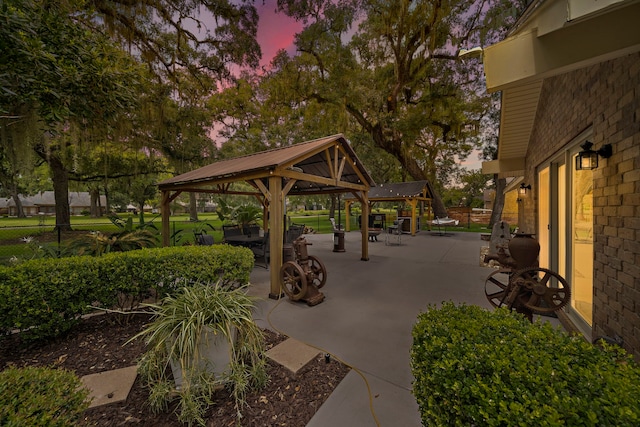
<point x="519" y="105"/>
<point x="548" y="44"/>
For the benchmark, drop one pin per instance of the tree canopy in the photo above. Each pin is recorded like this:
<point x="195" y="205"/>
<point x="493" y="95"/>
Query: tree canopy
<point x="385" y="73"/>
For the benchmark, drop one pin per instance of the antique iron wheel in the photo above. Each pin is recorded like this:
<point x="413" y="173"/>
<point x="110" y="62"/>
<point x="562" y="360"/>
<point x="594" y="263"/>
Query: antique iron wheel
<point x="319" y="271"/>
<point x="294" y="280"/>
<point x="541" y="290"/>
<point x="497" y="287"/>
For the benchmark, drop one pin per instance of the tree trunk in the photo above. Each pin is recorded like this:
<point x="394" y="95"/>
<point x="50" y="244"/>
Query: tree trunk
<point x="60" y="178"/>
<point x="95" y="203"/>
<point x="16" y="198"/>
<point x="141" y="213"/>
<point x="498" y="203"/>
<point x="332" y="206"/>
<point x="106" y="198"/>
<point x="193" y="207"/>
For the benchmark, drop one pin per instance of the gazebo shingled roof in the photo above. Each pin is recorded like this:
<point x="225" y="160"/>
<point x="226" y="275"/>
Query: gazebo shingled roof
<point x="321" y="166"/>
<point x="408" y="192"/>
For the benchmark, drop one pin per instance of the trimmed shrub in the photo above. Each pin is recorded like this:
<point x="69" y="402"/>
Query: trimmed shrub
<point x="46" y="297"/>
<point x="494" y="368"/>
<point x="37" y="396"/>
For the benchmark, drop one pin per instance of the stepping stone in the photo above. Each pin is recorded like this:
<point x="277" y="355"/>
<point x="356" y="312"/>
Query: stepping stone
<point x="110" y="386"/>
<point x="292" y="354"/>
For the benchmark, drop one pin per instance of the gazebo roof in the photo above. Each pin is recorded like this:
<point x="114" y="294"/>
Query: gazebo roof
<point x="325" y="165"/>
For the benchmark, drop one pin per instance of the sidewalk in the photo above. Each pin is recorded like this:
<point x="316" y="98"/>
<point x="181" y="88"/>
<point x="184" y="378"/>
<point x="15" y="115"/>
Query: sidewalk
<point x="368" y="312"/>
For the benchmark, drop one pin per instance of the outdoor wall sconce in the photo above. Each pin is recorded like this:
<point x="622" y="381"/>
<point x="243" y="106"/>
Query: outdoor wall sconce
<point x="523" y="189"/>
<point x="587" y="159"/>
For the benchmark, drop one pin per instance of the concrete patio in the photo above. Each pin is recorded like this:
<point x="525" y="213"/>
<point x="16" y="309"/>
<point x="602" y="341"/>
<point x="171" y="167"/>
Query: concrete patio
<point x="368" y="313"/>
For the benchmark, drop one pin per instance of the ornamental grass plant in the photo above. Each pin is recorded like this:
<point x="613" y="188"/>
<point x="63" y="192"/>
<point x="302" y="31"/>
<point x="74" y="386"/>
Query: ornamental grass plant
<point x="176" y="333"/>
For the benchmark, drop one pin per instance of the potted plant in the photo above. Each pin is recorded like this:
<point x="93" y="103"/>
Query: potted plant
<point x="207" y="336"/>
<point x="245" y="215"/>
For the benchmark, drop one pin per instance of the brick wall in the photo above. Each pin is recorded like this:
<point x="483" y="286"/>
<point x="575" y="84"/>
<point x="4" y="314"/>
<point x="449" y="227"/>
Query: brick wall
<point x="605" y="98"/>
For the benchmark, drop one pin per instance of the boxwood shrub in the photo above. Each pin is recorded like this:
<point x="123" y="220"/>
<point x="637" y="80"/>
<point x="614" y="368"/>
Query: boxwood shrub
<point x="37" y="396"/>
<point x="474" y="367"/>
<point x="45" y="297"/>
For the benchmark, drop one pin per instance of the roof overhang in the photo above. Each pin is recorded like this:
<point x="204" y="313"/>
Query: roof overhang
<point x="552" y="38"/>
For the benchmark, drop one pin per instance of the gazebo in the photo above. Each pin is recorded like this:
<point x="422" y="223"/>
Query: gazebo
<point x="411" y="193"/>
<point x="321" y="166"/>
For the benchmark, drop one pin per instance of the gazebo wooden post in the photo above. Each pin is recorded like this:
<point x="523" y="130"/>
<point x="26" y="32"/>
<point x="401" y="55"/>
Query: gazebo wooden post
<point x="276" y="231"/>
<point x="347" y="222"/>
<point x="413" y="203"/>
<point x="365" y="226"/>
<point x="166" y="213"/>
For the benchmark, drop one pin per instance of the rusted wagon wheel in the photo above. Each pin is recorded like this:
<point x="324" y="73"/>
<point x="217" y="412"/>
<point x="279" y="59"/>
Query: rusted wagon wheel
<point x="497" y="287"/>
<point x="319" y="271"/>
<point x="541" y="290"/>
<point x="293" y="279"/>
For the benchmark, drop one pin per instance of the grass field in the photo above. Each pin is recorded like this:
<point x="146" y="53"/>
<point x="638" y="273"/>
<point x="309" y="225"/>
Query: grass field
<point x="16" y="232"/>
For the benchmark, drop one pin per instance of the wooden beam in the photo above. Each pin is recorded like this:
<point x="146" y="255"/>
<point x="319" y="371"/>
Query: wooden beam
<point x="276" y="231"/>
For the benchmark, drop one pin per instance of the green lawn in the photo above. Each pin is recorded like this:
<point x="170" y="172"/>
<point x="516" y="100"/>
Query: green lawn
<point x="41" y="229"/>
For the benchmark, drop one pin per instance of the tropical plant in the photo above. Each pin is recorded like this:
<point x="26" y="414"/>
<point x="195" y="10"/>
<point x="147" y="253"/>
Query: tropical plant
<point x="246" y="214"/>
<point x="176" y="334"/>
<point x="128" y="238"/>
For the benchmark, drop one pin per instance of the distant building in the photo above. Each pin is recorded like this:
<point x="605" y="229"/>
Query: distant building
<point x="44" y="203"/>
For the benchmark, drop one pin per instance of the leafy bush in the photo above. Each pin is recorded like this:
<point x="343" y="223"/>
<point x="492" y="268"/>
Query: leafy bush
<point x="475" y="367"/>
<point x="36" y="396"/>
<point x="45" y="297"/>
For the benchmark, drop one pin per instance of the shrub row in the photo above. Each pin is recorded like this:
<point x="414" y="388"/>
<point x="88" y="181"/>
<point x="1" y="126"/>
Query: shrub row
<point x="45" y="297"/>
<point x="494" y="368"/>
<point x="36" y="396"/>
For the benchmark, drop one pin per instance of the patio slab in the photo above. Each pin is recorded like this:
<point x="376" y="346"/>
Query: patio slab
<point x="292" y="354"/>
<point x="110" y="386"/>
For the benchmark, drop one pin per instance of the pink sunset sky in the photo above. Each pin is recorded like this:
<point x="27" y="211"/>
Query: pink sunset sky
<point x="275" y="31"/>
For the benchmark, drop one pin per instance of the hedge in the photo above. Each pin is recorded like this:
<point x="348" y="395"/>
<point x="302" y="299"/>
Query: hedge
<point x="37" y="396"/>
<point x="495" y="368"/>
<point x="45" y="297"/>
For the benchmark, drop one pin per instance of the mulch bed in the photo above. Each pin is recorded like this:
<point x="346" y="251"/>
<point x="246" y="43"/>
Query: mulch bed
<point x="98" y="344"/>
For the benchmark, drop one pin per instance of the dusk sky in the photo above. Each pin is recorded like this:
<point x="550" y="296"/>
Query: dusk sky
<point x="275" y="31"/>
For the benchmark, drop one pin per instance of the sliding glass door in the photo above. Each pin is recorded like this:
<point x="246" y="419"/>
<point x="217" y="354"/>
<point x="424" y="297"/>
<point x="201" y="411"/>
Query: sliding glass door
<point x="565" y="231"/>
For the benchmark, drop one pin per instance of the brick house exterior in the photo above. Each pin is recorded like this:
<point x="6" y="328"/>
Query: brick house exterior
<point x="605" y="98"/>
<point x="581" y="218"/>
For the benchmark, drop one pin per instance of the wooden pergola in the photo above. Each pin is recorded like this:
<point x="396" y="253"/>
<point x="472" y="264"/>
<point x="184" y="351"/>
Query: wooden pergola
<point x="411" y="193"/>
<point x="321" y="166"/>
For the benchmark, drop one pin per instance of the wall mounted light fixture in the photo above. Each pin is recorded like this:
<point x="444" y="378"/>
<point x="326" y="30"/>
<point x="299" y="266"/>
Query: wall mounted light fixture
<point x="523" y="189"/>
<point x="587" y="159"/>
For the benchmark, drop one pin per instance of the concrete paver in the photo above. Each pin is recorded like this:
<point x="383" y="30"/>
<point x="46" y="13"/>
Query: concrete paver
<point x="110" y="386"/>
<point x="292" y="354"/>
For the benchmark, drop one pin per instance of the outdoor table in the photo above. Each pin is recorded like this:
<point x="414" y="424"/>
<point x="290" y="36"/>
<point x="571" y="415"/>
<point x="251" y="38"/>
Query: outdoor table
<point x="243" y="240"/>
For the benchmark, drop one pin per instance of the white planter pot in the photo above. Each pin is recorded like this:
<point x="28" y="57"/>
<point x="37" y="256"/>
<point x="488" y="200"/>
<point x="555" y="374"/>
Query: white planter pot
<point x="214" y="353"/>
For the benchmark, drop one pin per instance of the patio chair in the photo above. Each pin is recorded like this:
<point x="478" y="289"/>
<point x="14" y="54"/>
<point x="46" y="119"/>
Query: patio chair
<point x="261" y="250"/>
<point x="204" y="239"/>
<point x="252" y="230"/>
<point x="394" y="234"/>
<point x="231" y="230"/>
